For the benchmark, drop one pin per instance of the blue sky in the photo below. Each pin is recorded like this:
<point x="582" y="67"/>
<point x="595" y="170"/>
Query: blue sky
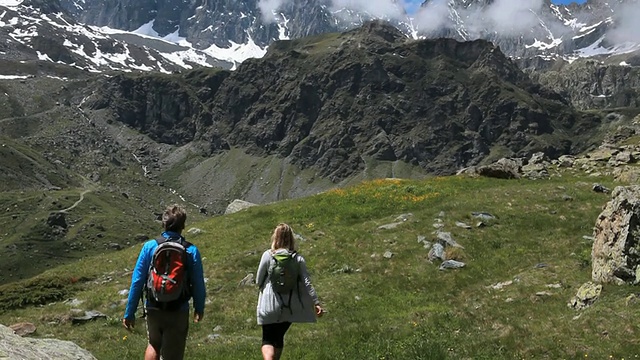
<point x="412" y="5"/>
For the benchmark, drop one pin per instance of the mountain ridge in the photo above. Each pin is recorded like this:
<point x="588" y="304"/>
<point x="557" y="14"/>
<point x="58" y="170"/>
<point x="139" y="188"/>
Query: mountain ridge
<point x="245" y="30"/>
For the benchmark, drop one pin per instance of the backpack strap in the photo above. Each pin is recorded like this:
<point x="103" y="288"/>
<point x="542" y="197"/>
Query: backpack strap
<point x="161" y="239"/>
<point x="293" y="255"/>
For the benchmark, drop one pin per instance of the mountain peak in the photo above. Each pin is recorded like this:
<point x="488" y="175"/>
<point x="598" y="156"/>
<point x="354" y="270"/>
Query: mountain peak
<point x="381" y="29"/>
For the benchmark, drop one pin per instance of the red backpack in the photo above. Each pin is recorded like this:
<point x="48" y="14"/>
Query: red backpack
<point x="168" y="279"/>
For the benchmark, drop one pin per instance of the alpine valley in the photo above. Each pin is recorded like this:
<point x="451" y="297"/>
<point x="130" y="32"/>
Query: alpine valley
<point x="112" y="109"/>
<point x="209" y="101"/>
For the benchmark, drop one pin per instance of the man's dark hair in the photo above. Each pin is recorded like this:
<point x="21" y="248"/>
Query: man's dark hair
<point x="174" y="218"/>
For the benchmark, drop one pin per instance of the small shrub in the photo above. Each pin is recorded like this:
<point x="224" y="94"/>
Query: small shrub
<point x="454" y="253"/>
<point x="40" y="290"/>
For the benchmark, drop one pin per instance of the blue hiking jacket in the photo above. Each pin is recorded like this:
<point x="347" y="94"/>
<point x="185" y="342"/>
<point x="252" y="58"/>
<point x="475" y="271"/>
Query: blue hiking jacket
<point x="141" y="271"/>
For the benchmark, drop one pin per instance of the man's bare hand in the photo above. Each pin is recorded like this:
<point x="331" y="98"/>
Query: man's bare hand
<point x="197" y="317"/>
<point x="129" y="324"/>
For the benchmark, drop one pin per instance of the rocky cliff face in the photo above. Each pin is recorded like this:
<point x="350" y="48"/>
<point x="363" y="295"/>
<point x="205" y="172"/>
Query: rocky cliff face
<point x="520" y="29"/>
<point x="331" y="102"/>
<point x="206" y="23"/>
<point x="590" y="84"/>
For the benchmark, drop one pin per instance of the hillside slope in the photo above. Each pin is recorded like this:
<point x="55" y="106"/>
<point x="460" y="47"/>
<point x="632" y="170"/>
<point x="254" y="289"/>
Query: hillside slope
<point x="369" y="251"/>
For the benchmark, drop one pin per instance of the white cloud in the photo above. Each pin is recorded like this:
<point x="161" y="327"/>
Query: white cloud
<point x="501" y="16"/>
<point x="381" y="9"/>
<point x="432" y="17"/>
<point x="627" y="28"/>
<point x="268" y="8"/>
<point x="512" y="17"/>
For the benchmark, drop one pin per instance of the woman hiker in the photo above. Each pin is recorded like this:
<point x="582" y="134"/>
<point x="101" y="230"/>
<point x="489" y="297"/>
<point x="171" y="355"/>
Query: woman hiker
<point x="286" y="293"/>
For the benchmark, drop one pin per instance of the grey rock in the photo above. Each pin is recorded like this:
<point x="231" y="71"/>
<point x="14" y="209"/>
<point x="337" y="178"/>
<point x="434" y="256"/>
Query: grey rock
<point x="389" y="226"/>
<point x="446" y="239"/>
<point x="23" y="328"/>
<point x="88" y="316"/>
<point x="14" y="347"/>
<point x="451" y="264"/>
<point x="538" y="158"/>
<point x="436" y="252"/>
<point x="614" y="255"/>
<point x="501" y="169"/>
<point x="248" y="280"/>
<point x="238" y="205"/>
<point x="484" y="216"/>
<point x="566" y="161"/>
<point x="404" y="217"/>
<point x="587" y="294"/>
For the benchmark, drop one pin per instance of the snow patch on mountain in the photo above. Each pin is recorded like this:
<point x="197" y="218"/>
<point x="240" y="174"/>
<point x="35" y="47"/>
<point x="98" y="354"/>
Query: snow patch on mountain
<point x="10" y="3"/>
<point x="597" y="49"/>
<point x="234" y="54"/>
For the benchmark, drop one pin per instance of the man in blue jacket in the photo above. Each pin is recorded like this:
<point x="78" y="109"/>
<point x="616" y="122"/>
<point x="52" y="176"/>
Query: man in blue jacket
<point x="167" y="329"/>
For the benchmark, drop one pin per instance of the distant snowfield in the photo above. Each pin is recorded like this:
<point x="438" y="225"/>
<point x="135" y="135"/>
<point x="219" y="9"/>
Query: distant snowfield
<point x="12" y="77"/>
<point x="10" y="2"/>
<point x="235" y="54"/>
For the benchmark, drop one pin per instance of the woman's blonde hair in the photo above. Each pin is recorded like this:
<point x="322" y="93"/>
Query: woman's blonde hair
<point x="282" y="238"/>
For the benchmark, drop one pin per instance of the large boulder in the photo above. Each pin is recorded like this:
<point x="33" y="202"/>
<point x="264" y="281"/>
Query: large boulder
<point x="14" y="347"/>
<point x="238" y="205"/>
<point x="616" y="248"/>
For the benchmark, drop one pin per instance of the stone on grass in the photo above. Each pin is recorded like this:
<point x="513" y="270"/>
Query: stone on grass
<point x="587" y="294"/>
<point x="15" y="347"/>
<point x="88" y="316"/>
<point x="451" y="264"/>
<point x="238" y="205"/>
<point x="248" y="280"/>
<point x="23" y="328"/>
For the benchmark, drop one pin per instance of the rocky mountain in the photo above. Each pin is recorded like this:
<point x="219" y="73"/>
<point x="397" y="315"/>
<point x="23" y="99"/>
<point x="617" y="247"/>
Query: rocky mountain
<point x="151" y="35"/>
<point x="324" y="110"/>
<point x="346" y="105"/>
<point x="599" y="38"/>
<point x="537" y="28"/>
<point x="522" y="29"/>
<point x="40" y="31"/>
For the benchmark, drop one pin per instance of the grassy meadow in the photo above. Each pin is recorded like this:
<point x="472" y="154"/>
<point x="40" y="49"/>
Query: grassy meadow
<point x="401" y="307"/>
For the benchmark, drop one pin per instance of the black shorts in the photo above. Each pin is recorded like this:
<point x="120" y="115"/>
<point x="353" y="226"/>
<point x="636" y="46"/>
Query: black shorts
<point x="167" y="331"/>
<point x="273" y="334"/>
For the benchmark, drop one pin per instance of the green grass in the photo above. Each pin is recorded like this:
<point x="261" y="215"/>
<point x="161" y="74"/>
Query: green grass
<point x="398" y="308"/>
